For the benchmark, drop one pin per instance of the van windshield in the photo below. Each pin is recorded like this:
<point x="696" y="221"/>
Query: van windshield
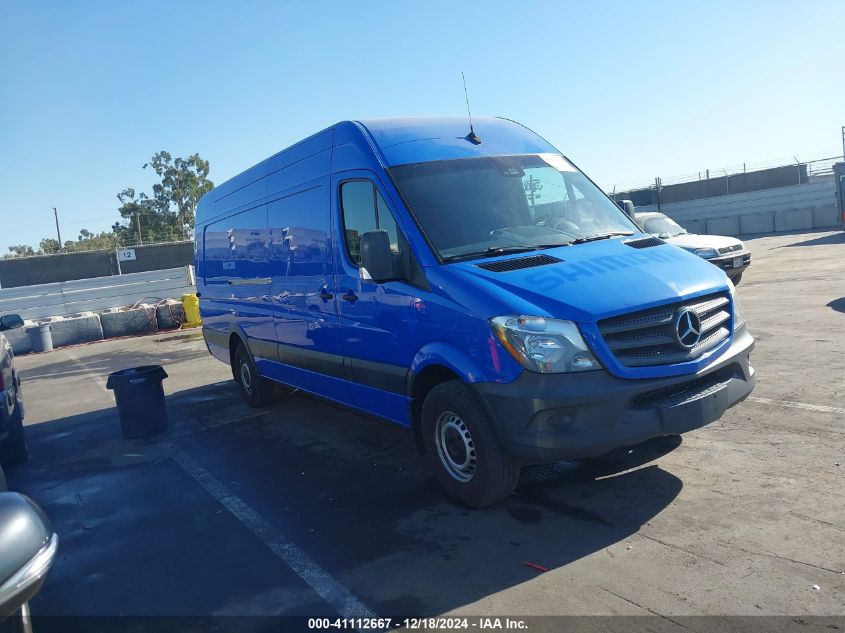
<point x="481" y="206"/>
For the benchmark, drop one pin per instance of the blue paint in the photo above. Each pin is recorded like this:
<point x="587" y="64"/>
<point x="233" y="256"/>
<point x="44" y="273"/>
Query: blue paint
<point x="275" y="264"/>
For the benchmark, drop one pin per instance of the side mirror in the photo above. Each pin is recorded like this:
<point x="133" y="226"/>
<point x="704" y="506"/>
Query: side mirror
<point x="628" y="208"/>
<point x="376" y="256"/>
<point x="28" y="546"/>
<point x="10" y="322"/>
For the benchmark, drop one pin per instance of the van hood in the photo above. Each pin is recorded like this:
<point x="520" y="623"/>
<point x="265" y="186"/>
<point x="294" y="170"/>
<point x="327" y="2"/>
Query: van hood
<point x="596" y="280"/>
<point x="694" y="240"/>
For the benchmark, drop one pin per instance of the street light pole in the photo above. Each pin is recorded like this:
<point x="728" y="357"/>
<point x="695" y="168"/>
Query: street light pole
<point x="58" y="231"/>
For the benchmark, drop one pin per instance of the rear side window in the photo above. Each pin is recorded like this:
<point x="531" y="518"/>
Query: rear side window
<point x="364" y="210"/>
<point x="236" y="246"/>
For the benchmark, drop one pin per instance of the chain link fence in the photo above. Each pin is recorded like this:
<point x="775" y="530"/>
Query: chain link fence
<point x="727" y="181"/>
<point x="43" y="269"/>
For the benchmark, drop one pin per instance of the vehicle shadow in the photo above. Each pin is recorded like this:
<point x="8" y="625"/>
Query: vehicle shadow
<point x="837" y="304"/>
<point x="833" y="238"/>
<point x="140" y="535"/>
<point x="101" y="363"/>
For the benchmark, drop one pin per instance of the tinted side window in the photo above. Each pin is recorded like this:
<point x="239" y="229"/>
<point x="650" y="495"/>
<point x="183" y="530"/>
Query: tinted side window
<point x="365" y="210"/>
<point x="237" y="246"/>
<point x="299" y="226"/>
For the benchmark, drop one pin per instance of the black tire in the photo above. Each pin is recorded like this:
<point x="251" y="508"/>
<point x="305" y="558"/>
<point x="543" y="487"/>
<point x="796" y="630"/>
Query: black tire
<point x="255" y="390"/>
<point x="13" y="447"/>
<point x="486" y="473"/>
<point x="736" y="279"/>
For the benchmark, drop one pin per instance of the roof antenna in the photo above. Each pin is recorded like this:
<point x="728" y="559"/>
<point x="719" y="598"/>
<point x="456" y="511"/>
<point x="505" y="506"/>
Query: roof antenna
<point x="472" y="137"/>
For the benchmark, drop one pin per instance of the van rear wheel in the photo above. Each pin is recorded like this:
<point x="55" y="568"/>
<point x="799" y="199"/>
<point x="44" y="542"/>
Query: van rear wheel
<point x="255" y="390"/>
<point x="463" y="448"/>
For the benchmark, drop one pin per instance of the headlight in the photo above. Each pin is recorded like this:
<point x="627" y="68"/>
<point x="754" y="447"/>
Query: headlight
<point x="739" y="316"/>
<point x="548" y="346"/>
<point x="706" y="253"/>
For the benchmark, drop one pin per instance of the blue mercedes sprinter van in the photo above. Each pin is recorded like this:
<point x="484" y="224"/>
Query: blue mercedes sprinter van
<point x="475" y="287"/>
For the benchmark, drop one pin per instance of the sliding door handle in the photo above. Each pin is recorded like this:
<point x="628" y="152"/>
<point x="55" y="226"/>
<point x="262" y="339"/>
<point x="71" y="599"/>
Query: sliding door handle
<point x="350" y="296"/>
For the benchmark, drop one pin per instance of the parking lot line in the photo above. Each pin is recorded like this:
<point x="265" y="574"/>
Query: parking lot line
<point x="328" y="587"/>
<point x="818" y="408"/>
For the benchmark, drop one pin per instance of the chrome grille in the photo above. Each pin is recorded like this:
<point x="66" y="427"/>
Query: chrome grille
<point x="730" y="249"/>
<point x="649" y="337"/>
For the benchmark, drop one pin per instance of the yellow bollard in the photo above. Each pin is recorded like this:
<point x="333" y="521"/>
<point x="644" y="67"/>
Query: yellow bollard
<point x="192" y="311"/>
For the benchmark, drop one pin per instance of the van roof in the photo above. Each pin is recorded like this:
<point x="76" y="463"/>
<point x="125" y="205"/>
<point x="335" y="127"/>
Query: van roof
<point x="395" y="141"/>
<point x="422" y="139"/>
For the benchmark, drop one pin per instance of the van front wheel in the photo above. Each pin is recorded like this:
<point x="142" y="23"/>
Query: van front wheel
<point x="256" y="391"/>
<point x="463" y="447"/>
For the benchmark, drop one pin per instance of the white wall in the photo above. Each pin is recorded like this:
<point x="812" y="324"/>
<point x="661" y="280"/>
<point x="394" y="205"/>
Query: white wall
<point x="809" y="206"/>
<point x="100" y="293"/>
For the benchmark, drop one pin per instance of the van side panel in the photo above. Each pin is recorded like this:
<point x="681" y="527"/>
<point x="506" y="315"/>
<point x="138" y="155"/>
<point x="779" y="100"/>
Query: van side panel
<point x="304" y="292"/>
<point x="236" y="281"/>
<point x="316" y="144"/>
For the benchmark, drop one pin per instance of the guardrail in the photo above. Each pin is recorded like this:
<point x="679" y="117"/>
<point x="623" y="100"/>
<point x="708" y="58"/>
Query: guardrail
<point x="92" y="295"/>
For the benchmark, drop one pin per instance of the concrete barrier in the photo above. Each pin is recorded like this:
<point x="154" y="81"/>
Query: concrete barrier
<point x="19" y="339"/>
<point x="723" y="226"/>
<point x="794" y="208"/>
<point x="695" y="225"/>
<point x="794" y="219"/>
<point x="129" y="321"/>
<point x="75" y="329"/>
<point x="170" y="314"/>
<point x="757" y="223"/>
<point x="826" y="216"/>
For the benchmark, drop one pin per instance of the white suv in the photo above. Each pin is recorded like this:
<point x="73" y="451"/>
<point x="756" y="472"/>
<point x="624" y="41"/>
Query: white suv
<point x="728" y="253"/>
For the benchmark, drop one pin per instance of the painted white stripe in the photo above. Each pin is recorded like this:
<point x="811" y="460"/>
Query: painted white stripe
<point x="332" y="591"/>
<point x="327" y="587"/>
<point x="819" y="408"/>
<point x="98" y="378"/>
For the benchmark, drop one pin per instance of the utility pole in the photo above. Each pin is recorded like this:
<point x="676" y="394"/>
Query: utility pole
<point x="843" y="142"/>
<point x="58" y="232"/>
<point x="138" y="222"/>
<point x="658" y="187"/>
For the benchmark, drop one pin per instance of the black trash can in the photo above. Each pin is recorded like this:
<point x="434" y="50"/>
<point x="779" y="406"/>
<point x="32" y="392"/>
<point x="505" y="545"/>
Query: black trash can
<point x="140" y="400"/>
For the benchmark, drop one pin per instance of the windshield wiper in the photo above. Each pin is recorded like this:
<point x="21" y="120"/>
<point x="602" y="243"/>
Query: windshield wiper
<point x="599" y="236"/>
<point x="494" y="250"/>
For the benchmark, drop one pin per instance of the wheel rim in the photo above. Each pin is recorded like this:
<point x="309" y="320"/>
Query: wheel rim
<point x="455" y="447"/>
<point x="246" y="377"/>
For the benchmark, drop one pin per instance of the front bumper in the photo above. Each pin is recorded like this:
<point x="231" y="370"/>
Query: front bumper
<point x="543" y="418"/>
<point x="733" y="263"/>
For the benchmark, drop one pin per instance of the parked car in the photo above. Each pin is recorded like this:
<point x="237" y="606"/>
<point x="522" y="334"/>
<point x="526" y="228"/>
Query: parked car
<point x="472" y="285"/>
<point x="28" y="548"/>
<point x="728" y="253"/>
<point x="12" y="441"/>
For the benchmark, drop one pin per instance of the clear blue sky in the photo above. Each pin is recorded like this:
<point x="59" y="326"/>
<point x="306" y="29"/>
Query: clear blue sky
<point x="90" y="90"/>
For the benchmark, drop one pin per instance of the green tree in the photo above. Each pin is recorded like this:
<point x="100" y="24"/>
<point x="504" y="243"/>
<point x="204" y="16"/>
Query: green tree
<point x="168" y="213"/>
<point x="21" y="250"/>
<point x="89" y="241"/>
<point x="48" y="246"/>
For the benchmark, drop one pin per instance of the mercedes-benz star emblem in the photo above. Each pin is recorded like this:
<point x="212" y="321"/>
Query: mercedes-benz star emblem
<point x="687" y="328"/>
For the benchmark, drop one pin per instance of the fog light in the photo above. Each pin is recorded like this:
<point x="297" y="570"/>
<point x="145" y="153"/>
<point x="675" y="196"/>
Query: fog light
<point x="582" y="361"/>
